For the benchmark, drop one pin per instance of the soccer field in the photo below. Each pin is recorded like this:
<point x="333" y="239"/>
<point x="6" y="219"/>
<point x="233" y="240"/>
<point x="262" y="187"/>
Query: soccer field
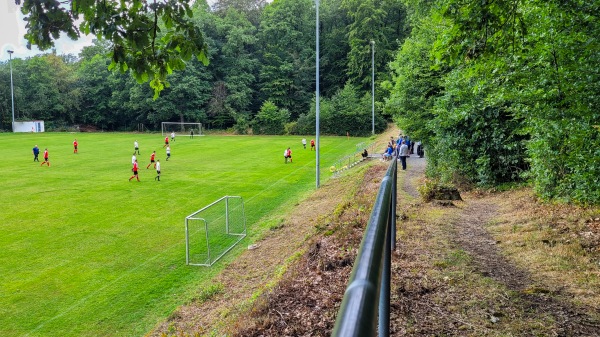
<point x="85" y="252"/>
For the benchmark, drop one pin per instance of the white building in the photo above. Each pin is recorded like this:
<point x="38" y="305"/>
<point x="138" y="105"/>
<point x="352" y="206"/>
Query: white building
<point x="29" y="126"/>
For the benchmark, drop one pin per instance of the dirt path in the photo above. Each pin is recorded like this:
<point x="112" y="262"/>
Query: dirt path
<point x="452" y="279"/>
<point x="528" y="296"/>
<point x="415" y="170"/>
<point x="472" y="236"/>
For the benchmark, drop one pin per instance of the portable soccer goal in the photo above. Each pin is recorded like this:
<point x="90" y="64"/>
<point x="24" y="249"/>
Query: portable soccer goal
<point x="180" y="127"/>
<point x="214" y="230"/>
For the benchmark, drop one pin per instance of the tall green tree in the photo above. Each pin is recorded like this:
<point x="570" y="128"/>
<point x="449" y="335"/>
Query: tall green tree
<point x="287" y="40"/>
<point x="382" y="21"/>
<point x="149" y="38"/>
<point x="334" y="46"/>
<point x="512" y="74"/>
<point x="93" y="81"/>
<point x="185" y="100"/>
<point x="270" y="119"/>
<point x="251" y="9"/>
<point x="237" y="65"/>
<point x="47" y="90"/>
<point x="558" y="82"/>
<point x="416" y="81"/>
<point x="348" y="111"/>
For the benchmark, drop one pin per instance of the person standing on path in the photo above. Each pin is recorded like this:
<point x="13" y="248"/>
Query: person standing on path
<point x="157" y="170"/>
<point x="403" y="153"/>
<point x="46" y="161"/>
<point x="36" y="152"/>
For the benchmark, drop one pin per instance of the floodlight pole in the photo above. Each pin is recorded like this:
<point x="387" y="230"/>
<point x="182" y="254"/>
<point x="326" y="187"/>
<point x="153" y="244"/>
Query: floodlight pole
<point x="12" y="94"/>
<point x="317" y="107"/>
<point x="373" y="85"/>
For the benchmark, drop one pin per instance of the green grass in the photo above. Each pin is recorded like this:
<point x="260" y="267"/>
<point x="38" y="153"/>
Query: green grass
<point x="84" y="252"/>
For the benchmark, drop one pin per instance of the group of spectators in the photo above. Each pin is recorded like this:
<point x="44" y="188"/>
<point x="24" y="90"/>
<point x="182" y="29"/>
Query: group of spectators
<point x="402" y="148"/>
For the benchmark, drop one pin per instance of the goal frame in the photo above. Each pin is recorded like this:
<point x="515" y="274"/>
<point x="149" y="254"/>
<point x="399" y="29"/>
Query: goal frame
<point x="198" y="217"/>
<point x="165" y="130"/>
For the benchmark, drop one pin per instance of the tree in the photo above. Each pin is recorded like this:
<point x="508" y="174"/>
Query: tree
<point x="270" y="120"/>
<point x="185" y="100"/>
<point x="149" y="38"/>
<point x="513" y="74"/>
<point x="334" y="47"/>
<point x="384" y="23"/>
<point x="46" y="90"/>
<point x="345" y="112"/>
<point x="287" y="40"/>
<point x="415" y="83"/>
<point x="237" y="65"/>
<point x="251" y="9"/>
<point x="93" y="81"/>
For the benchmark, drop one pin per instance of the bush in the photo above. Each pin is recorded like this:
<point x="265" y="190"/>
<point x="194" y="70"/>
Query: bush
<point x="270" y="120"/>
<point x="345" y="112"/>
<point x="291" y="128"/>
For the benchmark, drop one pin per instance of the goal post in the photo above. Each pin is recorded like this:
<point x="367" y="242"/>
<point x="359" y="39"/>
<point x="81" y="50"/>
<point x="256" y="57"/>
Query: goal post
<point x="214" y="230"/>
<point x="181" y="127"/>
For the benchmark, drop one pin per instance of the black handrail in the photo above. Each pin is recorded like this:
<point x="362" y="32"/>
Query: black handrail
<point x="366" y="303"/>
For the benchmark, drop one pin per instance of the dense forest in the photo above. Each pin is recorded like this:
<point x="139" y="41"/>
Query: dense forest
<point x="504" y="91"/>
<point x="260" y="75"/>
<point x="501" y="92"/>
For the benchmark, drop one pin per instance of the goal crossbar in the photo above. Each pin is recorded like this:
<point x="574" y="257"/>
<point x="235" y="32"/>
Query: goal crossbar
<point x="167" y="127"/>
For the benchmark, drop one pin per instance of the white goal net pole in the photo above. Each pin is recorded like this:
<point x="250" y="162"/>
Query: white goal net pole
<point x="167" y="127"/>
<point x="214" y="230"/>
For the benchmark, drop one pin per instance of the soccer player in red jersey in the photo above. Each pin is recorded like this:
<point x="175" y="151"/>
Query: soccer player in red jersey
<point x="45" y="158"/>
<point x="75" y="146"/>
<point x="312" y="145"/>
<point x="166" y="141"/>
<point x="152" y="159"/>
<point x="135" y="171"/>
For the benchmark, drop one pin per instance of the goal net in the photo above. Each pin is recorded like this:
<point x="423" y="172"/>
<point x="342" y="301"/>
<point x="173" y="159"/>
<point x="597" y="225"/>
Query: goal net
<point x="214" y="230"/>
<point x="179" y="127"/>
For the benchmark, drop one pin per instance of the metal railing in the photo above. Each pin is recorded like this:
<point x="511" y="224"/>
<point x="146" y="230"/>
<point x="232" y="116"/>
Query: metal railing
<point x="365" y="309"/>
<point x="351" y="160"/>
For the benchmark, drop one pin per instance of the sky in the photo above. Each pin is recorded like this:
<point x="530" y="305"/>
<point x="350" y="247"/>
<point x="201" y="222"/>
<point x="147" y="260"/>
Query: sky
<point x="12" y="30"/>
